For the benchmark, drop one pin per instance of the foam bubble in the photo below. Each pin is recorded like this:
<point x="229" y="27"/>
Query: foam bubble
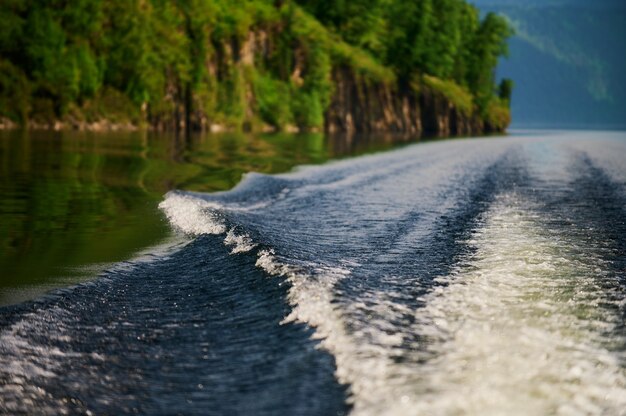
<point x="241" y="243"/>
<point x="517" y="330"/>
<point x="520" y="329"/>
<point x="192" y="215"/>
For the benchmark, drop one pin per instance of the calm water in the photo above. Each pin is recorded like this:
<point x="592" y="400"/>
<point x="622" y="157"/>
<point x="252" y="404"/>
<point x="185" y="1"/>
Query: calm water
<point x="73" y="203"/>
<point x="478" y="277"/>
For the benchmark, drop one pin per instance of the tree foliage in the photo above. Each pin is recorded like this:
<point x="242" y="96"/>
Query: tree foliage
<point x="166" y="57"/>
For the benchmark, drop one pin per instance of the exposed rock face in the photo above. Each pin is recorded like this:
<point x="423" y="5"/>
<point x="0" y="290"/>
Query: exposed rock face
<point x="359" y="105"/>
<point x="5" y="124"/>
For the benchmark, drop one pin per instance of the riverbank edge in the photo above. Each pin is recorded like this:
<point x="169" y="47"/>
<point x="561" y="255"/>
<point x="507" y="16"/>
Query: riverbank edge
<point x="281" y="70"/>
<point x="357" y="106"/>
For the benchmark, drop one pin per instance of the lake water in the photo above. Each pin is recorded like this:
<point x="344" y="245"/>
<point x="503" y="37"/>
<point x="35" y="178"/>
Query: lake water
<point x="71" y="204"/>
<point x="480" y="277"/>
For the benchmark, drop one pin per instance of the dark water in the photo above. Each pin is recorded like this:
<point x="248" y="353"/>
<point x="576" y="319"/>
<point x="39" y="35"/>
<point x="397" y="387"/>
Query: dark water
<point x="483" y="276"/>
<point x="73" y="203"/>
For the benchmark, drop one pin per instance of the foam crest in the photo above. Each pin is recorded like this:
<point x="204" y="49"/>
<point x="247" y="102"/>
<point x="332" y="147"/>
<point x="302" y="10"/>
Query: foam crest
<point x="241" y="243"/>
<point x="367" y="368"/>
<point x="526" y="324"/>
<point x="192" y="215"/>
<point x="522" y="329"/>
<point x="40" y="361"/>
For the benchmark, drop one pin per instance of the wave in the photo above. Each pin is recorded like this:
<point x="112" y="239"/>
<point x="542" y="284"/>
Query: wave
<point x="363" y="247"/>
<point x="481" y="276"/>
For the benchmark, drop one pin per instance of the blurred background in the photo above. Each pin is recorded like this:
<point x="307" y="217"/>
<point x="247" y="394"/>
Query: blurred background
<point x="568" y="61"/>
<point x="72" y="202"/>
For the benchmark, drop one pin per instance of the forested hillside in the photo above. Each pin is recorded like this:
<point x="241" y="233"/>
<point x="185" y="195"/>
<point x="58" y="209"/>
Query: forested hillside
<point x="252" y="64"/>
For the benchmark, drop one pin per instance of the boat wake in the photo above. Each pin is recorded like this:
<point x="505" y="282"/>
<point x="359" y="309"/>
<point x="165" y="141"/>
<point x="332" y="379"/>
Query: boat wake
<point x="482" y="276"/>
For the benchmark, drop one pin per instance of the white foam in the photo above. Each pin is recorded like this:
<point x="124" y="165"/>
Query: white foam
<point x="520" y="330"/>
<point x="361" y="366"/>
<point x="36" y="361"/>
<point x="517" y="330"/>
<point x="192" y="215"/>
<point x="241" y="243"/>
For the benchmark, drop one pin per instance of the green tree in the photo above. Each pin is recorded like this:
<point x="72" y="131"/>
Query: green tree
<point x="489" y="43"/>
<point x="359" y="22"/>
<point x="174" y="59"/>
<point x="505" y="90"/>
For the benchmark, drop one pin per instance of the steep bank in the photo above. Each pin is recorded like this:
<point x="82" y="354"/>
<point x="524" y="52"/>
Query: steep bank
<point x="359" y="105"/>
<point x="254" y="65"/>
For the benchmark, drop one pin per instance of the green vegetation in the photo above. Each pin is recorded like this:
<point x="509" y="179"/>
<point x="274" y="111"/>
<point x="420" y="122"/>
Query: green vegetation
<point x="240" y="63"/>
<point x="92" y="198"/>
<point x="456" y="94"/>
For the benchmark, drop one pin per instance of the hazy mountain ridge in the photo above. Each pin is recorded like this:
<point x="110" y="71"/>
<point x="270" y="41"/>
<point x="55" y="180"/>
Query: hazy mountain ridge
<point x="567" y="60"/>
<point x="597" y="4"/>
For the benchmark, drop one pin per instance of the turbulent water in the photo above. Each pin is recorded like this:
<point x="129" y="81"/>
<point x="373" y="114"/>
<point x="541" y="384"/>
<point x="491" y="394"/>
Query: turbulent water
<point x="483" y="276"/>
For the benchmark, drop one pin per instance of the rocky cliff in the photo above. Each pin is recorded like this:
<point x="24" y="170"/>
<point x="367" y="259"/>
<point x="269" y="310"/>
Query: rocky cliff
<point x="360" y="105"/>
<point x="273" y="66"/>
<point x="358" y="101"/>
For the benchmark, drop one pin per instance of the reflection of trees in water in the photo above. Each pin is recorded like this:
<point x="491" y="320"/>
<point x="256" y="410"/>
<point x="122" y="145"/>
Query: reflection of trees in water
<point x="354" y="144"/>
<point x="75" y="198"/>
<point x="68" y="199"/>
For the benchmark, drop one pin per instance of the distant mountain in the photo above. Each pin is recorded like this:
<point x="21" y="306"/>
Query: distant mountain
<point x="544" y="3"/>
<point x="568" y="61"/>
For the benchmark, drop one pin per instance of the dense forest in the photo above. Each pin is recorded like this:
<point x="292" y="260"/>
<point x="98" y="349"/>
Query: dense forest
<point x="251" y="64"/>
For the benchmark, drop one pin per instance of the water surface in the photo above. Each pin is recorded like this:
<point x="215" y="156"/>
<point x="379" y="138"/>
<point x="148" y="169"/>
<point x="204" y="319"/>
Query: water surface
<point x="478" y="277"/>
<point x="72" y="203"/>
